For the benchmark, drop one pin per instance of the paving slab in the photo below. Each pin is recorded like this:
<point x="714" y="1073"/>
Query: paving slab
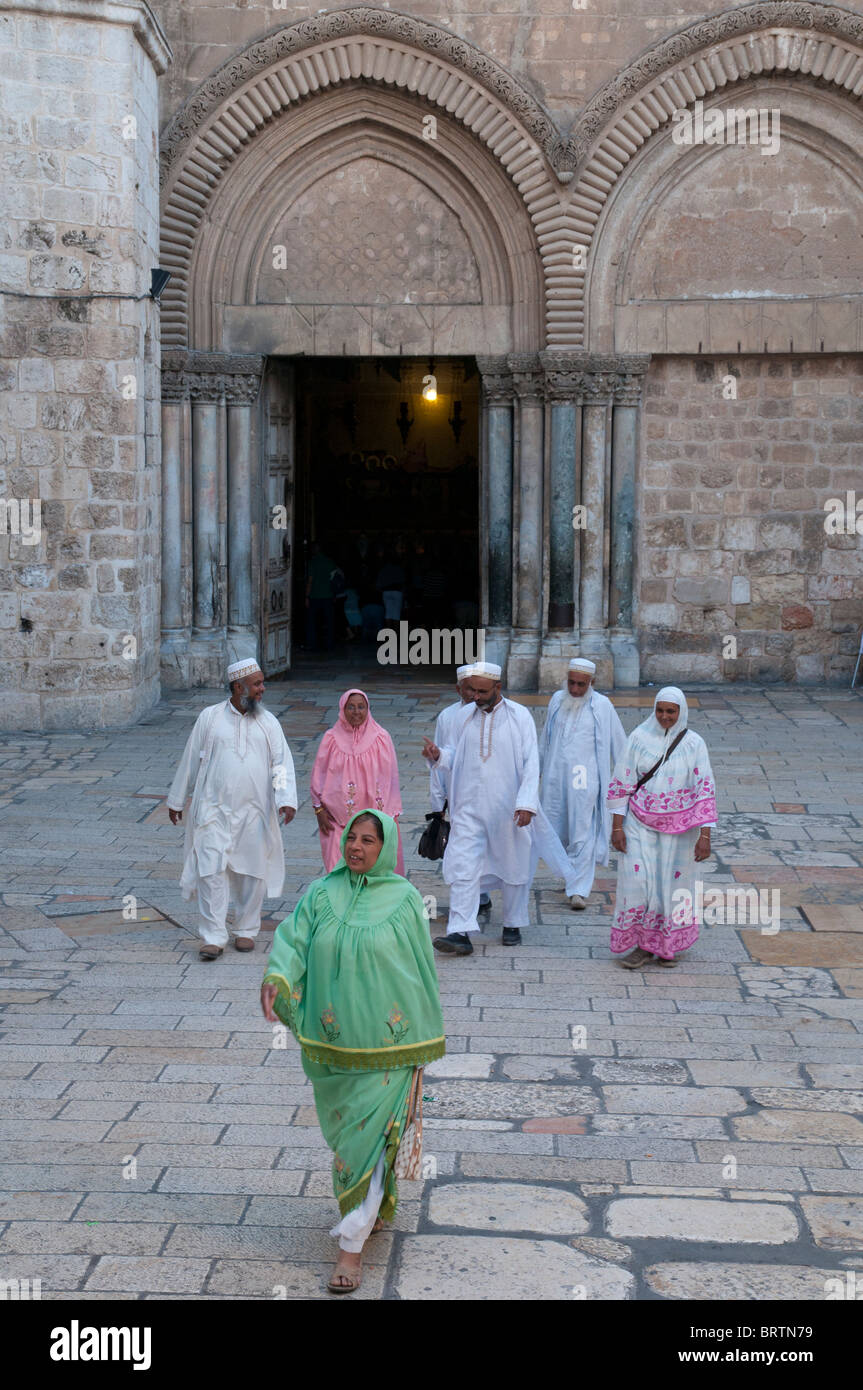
<point x="800" y="1126"/>
<point x="820" y="948"/>
<point x="694" y="1218"/>
<point x="151" y="1274"/>
<point x="836" y="1223"/>
<point x="719" y="1281"/>
<point x="502" y="1268"/>
<point x="508" y="1207"/>
<point x="673" y="1100"/>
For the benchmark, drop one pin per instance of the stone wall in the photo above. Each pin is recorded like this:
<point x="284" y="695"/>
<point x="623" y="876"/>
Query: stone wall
<point x="731" y="537"/>
<point x="561" y="51"/>
<point x="79" y="356"/>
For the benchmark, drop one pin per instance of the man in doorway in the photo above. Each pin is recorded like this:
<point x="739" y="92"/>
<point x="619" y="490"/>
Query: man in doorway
<point x="390" y="584"/>
<point x="582" y="740"/>
<point x="320" y="600"/>
<point x="445" y="733"/>
<point x="240" y="772"/>
<point x="493" y="768"/>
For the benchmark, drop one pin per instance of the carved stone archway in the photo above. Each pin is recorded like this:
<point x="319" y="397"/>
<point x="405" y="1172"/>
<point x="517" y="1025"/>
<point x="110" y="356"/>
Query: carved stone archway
<point x="237" y="302"/>
<point x="819" y="44"/>
<point x="717" y="303"/>
<point x="276" y="75"/>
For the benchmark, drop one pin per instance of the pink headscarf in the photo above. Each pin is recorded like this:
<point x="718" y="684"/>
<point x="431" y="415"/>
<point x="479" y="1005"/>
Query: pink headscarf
<point x="359" y="740"/>
<point x="355" y="768"/>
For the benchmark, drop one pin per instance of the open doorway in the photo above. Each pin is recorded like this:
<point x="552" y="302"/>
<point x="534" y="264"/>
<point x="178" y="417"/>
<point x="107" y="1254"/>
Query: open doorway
<point x="386" y="506"/>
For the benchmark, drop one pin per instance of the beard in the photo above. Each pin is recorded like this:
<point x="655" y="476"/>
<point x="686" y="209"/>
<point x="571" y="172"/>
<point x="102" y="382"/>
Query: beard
<point x="574" y="702"/>
<point x="250" y="704"/>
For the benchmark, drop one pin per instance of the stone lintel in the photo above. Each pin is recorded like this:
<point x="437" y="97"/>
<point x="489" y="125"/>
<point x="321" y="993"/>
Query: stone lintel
<point x="579" y="376"/>
<point x="211" y="376"/>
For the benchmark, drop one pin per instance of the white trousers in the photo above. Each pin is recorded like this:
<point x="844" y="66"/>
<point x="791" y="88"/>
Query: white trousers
<point x="354" y="1229"/>
<point x="464" y="896"/>
<point x="583" y="864"/>
<point x="215" y="891"/>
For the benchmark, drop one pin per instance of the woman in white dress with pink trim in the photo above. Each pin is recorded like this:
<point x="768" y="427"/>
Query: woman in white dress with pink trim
<point x="663" y="803"/>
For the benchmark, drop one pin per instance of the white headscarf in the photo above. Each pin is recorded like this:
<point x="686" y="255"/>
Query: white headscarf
<point x="651" y="729"/>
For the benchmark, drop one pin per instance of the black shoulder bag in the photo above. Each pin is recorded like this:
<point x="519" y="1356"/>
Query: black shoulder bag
<point x="433" y="840"/>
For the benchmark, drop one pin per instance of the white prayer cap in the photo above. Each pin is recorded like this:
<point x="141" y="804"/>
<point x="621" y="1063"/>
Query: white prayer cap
<point x="246" y="667"/>
<point x="463" y="671"/>
<point x="486" y="668"/>
<point x="580" y="663"/>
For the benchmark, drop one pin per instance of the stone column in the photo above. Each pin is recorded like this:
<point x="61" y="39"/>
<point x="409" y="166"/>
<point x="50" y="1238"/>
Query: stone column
<point x="564" y="386"/>
<point x="497" y="431"/>
<point x="207" y="396"/>
<point x="528" y="383"/>
<point x="598" y="391"/>
<point x="242" y="394"/>
<point x="624" y="445"/>
<point x="175" y="633"/>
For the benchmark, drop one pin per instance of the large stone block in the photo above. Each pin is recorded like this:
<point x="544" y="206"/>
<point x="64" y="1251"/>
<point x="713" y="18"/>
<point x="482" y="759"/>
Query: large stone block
<point x="758" y="616"/>
<point x="703" y="592"/>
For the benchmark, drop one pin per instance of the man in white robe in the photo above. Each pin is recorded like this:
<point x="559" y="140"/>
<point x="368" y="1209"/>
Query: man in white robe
<point x="582" y="740"/>
<point x="445" y="732"/>
<point x="493" y="770"/>
<point x="240" y="772"/>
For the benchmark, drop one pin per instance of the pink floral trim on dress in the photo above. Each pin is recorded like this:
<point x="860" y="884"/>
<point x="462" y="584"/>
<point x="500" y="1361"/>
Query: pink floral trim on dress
<point x="675" y="822"/>
<point x="619" y="791"/>
<point x="670" y="811"/>
<point x="652" y="931"/>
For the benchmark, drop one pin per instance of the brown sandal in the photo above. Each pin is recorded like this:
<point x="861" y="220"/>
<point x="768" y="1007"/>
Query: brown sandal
<point x="210" y="952"/>
<point x="354" y="1277"/>
<point x="636" y="959"/>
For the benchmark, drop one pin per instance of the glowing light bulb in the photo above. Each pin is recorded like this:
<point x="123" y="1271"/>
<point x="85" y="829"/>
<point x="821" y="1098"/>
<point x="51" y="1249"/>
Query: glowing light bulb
<point x="430" y="387"/>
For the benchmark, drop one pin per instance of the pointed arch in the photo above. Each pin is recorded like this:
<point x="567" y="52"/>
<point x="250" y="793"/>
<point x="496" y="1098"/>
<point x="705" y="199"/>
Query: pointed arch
<point x="280" y="74"/>
<point x="819" y="45"/>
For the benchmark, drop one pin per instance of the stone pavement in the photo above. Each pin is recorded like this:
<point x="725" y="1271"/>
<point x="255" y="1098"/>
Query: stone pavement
<point x="591" y="1133"/>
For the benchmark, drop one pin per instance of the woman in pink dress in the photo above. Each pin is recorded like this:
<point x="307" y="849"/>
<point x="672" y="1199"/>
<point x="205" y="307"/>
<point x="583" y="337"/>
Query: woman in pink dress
<point x="355" y="769"/>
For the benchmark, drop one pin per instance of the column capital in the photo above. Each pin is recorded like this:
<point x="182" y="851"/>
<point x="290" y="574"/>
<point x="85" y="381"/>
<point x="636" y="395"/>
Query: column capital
<point x="496" y="380"/>
<point x="628" y="388"/>
<point x="528" y="378"/>
<point x="599" y="387"/>
<point x="564" y="376"/>
<point x="175" y="387"/>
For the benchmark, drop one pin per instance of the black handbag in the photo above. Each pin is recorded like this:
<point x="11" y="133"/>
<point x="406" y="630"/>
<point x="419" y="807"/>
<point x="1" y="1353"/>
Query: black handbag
<point x="433" y="840"/>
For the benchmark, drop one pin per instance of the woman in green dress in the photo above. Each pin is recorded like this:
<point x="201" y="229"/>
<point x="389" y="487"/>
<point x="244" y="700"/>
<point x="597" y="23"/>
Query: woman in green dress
<point x="352" y="974"/>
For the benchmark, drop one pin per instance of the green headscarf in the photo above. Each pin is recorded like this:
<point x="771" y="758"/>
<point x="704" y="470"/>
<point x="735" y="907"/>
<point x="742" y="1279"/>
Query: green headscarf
<point x="355" y="970"/>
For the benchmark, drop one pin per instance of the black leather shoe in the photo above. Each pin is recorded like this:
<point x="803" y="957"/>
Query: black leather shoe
<point x="456" y="944"/>
<point x="484" y="911"/>
<point x="511" y="936"/>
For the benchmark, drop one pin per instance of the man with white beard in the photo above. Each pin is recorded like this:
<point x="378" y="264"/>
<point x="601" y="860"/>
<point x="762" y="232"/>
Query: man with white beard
<point x="444" y="733"/>
<point x="493" y="769"/>
<point x="582" y="740"/>
<point x="240" y="771"/>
